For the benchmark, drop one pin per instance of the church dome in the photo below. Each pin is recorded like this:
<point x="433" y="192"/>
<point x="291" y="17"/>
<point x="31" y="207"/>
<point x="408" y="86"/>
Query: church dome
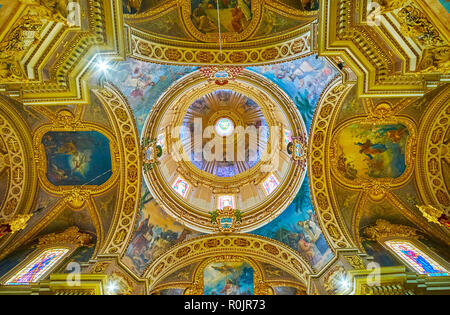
<point x="224" y="146"/>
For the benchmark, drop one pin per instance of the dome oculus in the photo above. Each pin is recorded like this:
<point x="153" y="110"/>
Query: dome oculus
<point x="224" y="127"/>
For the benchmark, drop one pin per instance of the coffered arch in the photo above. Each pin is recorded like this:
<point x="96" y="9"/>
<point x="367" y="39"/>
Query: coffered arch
<point x="209" y="246"/>
<point x="17" y="162"/>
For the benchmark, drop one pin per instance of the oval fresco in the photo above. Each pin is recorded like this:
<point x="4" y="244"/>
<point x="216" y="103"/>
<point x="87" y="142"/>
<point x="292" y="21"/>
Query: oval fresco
<point x="364" y="152"/>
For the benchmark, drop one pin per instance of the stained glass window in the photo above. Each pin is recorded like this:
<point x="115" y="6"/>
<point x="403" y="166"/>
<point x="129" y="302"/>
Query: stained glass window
<point x="287" y="137"/>
<point x="34" y="271"/>
<point x="181" y="187"/>
<point x="226" y="201"/>
<point x="416" y="259"/>
<point x="270" y="184"/>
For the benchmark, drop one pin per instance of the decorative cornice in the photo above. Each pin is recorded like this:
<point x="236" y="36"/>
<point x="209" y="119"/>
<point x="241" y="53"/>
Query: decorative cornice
<point x="67" y="53"/>
<point x="71" y="236"/>
<point x="384" y="229"/>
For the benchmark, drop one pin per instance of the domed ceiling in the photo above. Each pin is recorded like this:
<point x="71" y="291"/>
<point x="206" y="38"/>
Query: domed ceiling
<point x="201" y="170"/>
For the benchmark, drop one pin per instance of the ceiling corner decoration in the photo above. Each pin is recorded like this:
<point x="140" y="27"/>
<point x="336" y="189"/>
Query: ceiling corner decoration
<point x="47" y="52"/>
<point x="395" y="48"/>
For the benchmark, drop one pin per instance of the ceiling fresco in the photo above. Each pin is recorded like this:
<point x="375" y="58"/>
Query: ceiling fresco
<point x="155" y="232"/>
<point x="201" y="20"/>
<point x="303" y="81"/>
<point x="230" y="147"/>
<point x="143" y="83"/>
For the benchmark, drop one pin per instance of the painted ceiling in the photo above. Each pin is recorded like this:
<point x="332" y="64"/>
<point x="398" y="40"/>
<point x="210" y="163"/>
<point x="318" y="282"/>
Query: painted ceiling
<point x="82" y="104"/>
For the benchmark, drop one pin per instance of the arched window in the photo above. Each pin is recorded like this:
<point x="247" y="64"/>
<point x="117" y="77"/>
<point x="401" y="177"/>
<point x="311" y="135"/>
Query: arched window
<point x="416" y="258"/>
<point x="39" y="267"/>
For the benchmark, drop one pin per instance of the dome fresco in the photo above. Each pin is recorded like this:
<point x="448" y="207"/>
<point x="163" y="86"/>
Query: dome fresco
<point x="247" y="114"/>
<point x="224" y="127"/>
<point x="224" y="147"/>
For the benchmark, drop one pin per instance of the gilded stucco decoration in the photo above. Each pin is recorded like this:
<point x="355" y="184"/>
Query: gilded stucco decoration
<point x="147" y="50"/>
<point x="434" y="153"/>
<point x="377" y="153"/>
<point x="54" y="176"/>
<point x="319" y="170"/>
<point x="412" y="56"/>
<point x="434" y="215"/>
<point x="194" y="214"/>
<point x="71" y="236"/>
<point x="130" y="174"/>
<point x="366" y="173"/>
<point x="121" y="143"/>
<point x="47" y="53"/>
<point x="384" y="229"/>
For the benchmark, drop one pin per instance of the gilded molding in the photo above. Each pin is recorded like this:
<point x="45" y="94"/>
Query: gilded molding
<point x="147" y="48"/>
<point x="327" y="211"/>
<point x="432" y="148"/>
<point x="15" y="154"/>
<point x="130" y="175"/>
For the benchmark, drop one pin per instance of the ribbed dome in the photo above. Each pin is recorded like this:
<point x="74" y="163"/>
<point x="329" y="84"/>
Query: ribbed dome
<point x="225" y="113"/>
